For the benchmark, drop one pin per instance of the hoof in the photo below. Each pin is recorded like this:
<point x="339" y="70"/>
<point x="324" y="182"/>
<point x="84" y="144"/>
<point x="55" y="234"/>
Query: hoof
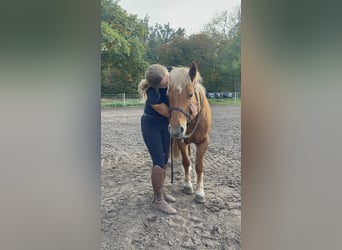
<point x="200" y="199"/>
<point x="188" y="190"/>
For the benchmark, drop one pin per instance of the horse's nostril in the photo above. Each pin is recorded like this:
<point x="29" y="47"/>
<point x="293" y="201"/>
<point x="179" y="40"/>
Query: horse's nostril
<point x="181" y="130"/>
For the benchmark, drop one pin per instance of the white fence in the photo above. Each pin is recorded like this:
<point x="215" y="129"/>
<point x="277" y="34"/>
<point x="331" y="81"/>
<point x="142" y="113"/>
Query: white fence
<point x="111" y="100"/>
<point x="121" y="99"/>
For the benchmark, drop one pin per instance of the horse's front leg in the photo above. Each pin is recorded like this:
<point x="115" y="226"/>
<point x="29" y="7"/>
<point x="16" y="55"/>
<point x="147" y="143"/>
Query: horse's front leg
<point x="187" y="188"/>
<point x="200" y="152"/>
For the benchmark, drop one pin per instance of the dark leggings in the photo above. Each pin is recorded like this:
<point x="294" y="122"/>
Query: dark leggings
<point x="157" y="138"/>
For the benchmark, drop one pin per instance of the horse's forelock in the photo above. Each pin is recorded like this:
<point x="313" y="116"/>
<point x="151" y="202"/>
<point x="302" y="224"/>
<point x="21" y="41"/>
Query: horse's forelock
<point x="179" y="78"/>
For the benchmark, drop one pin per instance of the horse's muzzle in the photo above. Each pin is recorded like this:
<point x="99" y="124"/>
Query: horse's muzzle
<point x="177" y="132"/>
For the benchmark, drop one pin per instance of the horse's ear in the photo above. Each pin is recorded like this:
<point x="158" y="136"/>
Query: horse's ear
<point x="193" y="71"/>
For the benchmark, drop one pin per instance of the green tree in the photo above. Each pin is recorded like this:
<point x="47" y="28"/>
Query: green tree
<point x="216" y="51"/>
<point x="160" y="35"/>
<point x="199" y="48"/>
<point x="123" y="48"/>
<point x="229" y="70"/>
<point x="128" y="45"/>
<point x="225" y="29"/>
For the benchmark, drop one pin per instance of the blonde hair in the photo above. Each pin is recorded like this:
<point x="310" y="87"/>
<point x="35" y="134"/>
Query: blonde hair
<point x="153" y="76"/>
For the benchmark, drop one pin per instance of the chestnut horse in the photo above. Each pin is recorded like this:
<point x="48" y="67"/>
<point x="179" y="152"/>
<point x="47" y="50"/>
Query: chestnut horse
<point x="185" y="90"/>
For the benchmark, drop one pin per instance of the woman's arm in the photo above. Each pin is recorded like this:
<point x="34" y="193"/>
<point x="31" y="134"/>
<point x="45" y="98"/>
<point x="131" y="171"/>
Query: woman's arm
<point x="162" y="109"/>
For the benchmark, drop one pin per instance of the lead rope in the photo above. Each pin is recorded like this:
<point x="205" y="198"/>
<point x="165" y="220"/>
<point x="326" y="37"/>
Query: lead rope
<point x="171" y="160"/>
<point x="197" y="122"/>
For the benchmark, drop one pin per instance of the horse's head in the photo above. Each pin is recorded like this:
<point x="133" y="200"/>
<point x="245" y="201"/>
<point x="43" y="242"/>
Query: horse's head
<point x="181" y="94"/>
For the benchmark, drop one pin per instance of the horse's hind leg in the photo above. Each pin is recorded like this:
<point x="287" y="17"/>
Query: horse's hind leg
<point x="187" y="188"/>
<point x="200" y="151"/>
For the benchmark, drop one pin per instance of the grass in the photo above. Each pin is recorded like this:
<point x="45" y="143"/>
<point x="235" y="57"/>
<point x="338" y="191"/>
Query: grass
<point x="137" y="103"/>
<point x="226" y="101"/>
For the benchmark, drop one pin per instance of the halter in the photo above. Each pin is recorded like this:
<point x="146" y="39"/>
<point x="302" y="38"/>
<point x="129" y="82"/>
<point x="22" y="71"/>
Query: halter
<point x="188" y="115"/>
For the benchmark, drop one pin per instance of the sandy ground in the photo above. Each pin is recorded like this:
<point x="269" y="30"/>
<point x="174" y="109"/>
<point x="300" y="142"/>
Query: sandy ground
<point x="128" y="221"/>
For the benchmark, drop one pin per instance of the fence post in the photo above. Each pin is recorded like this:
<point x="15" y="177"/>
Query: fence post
<point x="124" y="99"/>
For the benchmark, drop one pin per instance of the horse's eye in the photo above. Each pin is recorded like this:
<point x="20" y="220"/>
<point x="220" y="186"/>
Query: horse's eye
<point x="190" y="95"/>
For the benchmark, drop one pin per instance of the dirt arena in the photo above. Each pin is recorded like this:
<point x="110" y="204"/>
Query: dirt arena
<point x="128" y="221"/>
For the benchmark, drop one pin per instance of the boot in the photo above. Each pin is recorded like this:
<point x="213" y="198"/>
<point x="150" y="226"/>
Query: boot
<point x="167" y="197"/>
<point x="157" y="184"/>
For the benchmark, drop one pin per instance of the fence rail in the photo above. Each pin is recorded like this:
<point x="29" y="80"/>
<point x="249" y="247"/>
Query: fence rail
<point x="123" y="99"/>
<point x="112" y="100"/>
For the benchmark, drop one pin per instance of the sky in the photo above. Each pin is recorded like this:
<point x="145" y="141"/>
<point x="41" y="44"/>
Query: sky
<point x="189" y="14"/>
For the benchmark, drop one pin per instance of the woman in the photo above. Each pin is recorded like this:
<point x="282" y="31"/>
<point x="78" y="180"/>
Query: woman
<point x="154" y="128"/>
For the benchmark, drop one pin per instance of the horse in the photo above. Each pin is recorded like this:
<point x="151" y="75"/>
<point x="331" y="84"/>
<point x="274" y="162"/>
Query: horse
<point x="185" y="89"/>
